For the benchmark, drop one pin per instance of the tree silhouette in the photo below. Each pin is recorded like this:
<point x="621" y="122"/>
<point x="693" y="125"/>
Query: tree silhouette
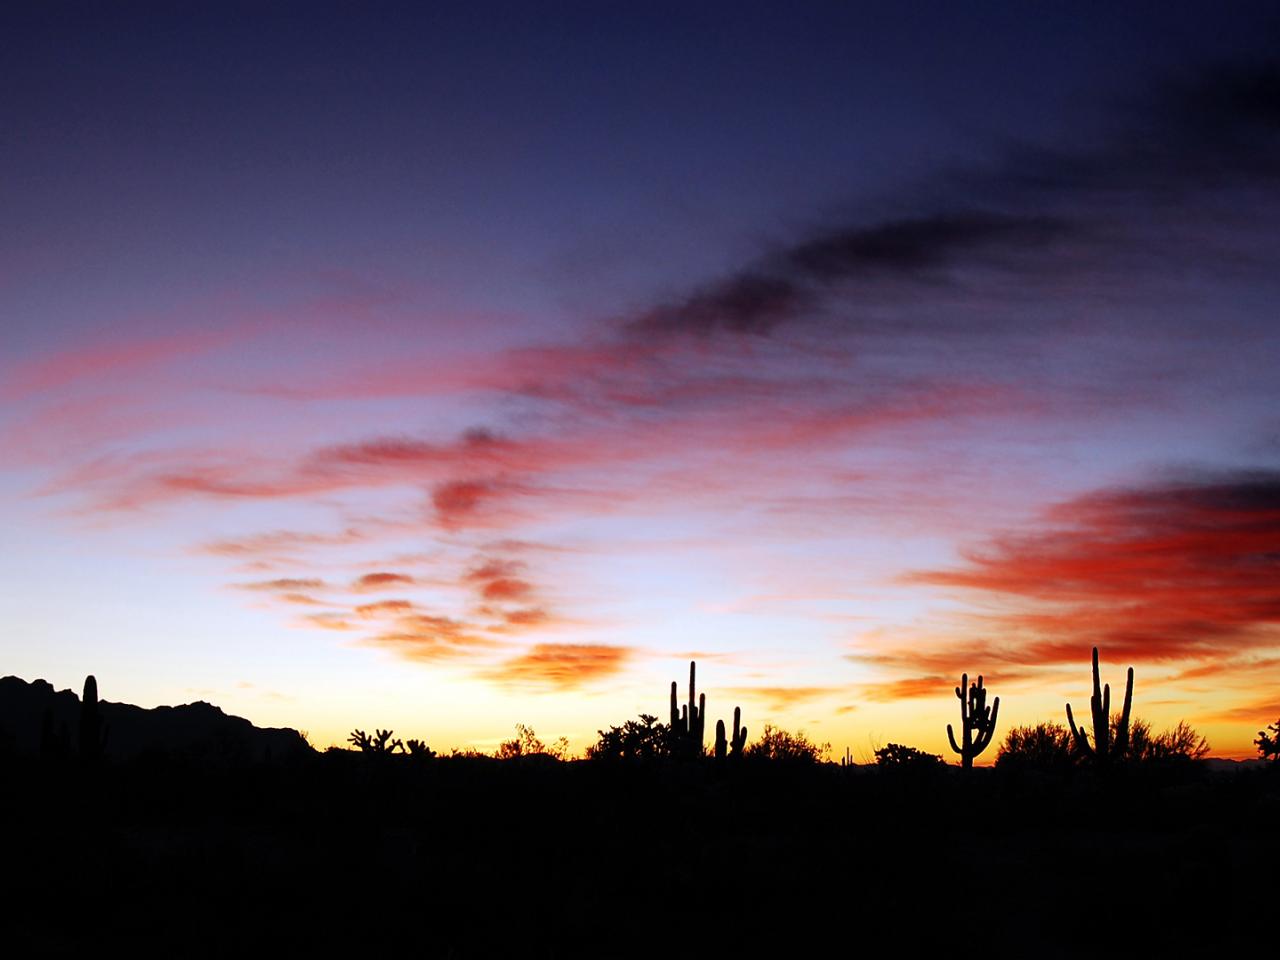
<point x="899" y="756"/>
<point x="645" y="739"/>
<point x="1269" y="746"/>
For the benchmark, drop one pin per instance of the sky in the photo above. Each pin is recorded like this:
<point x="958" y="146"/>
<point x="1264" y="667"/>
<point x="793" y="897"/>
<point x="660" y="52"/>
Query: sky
<point x="444" y="367"/>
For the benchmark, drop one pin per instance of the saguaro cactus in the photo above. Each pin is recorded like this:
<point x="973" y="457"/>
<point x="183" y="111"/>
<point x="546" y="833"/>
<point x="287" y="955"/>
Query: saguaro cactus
<point x="1104" y="748"/>
<point x="687" y="723"/>
<point x="93" y="732"/>
<point x="734" y="747"/>
<point x="977" y="721"/>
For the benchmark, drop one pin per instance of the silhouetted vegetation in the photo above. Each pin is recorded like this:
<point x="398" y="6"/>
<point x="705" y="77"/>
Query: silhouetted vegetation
<point x="732" y="748"/>
<point x="380" y="744"/>
<point x="526" y="744"/>
<point x="1180" y="742"/>
<point x="252" y="841"/>
<point x="977" y="721"/>
<point x="778" y="745"/>
<point x="1109" y="741"/>
<point x="688" y="722"/>
<point x="643" y="739"/>
<point x="1044" y="747"/>
<point x="1268" y="742"/>
<point x="897" y="756"/>
<point x="93" y="732"/>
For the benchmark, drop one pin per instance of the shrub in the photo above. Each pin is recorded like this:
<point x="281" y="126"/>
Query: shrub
<point x="777" y="744"/>
<point x="897" y="756"/>
<point x="1045" y="747"/>
<point x="527" y="744"/>
<point x="643" y="739"/>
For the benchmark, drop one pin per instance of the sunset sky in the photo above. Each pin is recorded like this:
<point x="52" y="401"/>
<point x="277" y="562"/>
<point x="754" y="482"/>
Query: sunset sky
<point x="444" y="367"/>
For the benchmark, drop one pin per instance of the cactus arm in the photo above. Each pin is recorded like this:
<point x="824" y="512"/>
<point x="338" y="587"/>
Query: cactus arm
<point x="1082" y="741"/>
<point x="988" y="728"/>
<point x="1122" y="729"/>
<point x="951" y="736"/>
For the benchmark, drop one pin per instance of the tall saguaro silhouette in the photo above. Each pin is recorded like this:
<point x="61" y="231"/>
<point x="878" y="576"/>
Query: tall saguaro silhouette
<point x="975" y="718"/>
<point x="688" y="721"/>
<point x="93" y="732"/>
<point x="1104" y="749"/>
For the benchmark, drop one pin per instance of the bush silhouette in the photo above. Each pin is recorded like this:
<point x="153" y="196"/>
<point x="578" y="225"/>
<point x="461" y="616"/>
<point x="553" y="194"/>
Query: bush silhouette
<point x="527" y="744"/>
<point x="1044" y="747"/>
<point x="897" y="756"/>
<point x="777" y="744"/>
<point x="643" y="739"/>
<point x="1180" y="742"/>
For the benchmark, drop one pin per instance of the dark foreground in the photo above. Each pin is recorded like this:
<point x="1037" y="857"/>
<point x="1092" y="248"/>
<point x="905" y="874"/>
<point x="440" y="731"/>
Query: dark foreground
<point x="466" y="857"/>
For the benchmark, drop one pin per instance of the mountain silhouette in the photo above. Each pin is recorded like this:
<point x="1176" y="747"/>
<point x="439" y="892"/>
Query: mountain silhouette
<point x="30" y="713"/>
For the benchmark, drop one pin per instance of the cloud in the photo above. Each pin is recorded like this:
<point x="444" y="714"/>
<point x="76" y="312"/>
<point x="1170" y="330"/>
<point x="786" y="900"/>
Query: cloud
<point x="783" y="698"/>
<point x="1183" y="568"/>
<point x="778" y="289"/>
<point x="279" y="543"/>
<point x="384" y="608"/>
<point x="506" y="588"/>
<point x="284" y="584"/>
<point x="430" y="638"/>
<point x="561" y="666"/>
<point x="381" y="580"/>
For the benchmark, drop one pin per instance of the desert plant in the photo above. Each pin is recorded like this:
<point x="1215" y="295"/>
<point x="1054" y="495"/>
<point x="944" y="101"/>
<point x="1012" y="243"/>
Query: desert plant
<point x="1268" y="742"/>
<point x="1180" y="742"/>
<point x="527" y="744"/>
<point x="1108" y="742"/>
<point x="1044" y="747"/>
<point x="777" y="744"/>
<point x="899" y="756"/>
<point x="687" y="724"/>
<point x="93" y="732"/>
<point x="419" y="749"/>
<point x="732" y="747"/>
<point x="975" y="718"/>
<point x="379" y="744"/>
<point x="644" y="739"/>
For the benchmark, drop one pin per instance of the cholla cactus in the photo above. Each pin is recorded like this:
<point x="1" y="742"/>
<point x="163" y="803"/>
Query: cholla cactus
<point x="380" y="743"/>
<point x="977" y="721"/>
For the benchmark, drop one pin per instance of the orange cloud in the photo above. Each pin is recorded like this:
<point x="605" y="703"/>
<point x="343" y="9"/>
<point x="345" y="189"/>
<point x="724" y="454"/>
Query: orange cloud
<point x="562" y="666"/>
<point x="377" y="581"/>
<point x="284" y="584"/>
<point x="782" y="698"/>
<point x="384" y="607"/>
<point x="432" y="638"/>
<point x="506" y="588"/>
